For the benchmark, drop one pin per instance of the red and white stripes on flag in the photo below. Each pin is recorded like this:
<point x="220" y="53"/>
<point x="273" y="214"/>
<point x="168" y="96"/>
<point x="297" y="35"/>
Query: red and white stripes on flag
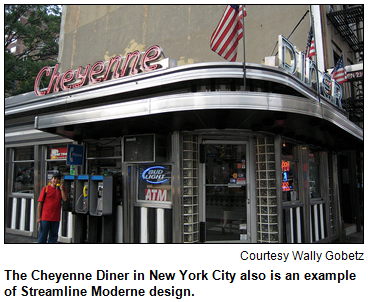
<point x="224" y="40"/>
<point x="311" y="47"/>
<point x="338" y="73"/>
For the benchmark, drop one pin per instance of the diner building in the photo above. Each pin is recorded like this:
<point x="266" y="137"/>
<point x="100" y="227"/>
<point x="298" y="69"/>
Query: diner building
<point x="161" y="140"/>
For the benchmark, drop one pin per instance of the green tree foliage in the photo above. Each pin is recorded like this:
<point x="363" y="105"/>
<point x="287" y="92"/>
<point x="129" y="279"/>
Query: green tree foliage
<point x="38" y="33"/>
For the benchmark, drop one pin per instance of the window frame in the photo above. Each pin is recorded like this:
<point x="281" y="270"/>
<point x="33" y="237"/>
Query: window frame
<point x="299" y="201"/>
<point x="318" y="169"/>
<point x="13" y="163"/>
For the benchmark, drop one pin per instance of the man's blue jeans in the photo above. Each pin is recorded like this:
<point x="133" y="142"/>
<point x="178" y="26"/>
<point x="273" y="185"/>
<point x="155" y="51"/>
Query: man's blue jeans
<point x="48" y="231"/>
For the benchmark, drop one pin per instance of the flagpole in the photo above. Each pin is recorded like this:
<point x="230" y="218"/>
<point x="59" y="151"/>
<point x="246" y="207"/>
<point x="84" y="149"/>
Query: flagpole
<point x="315" y="47"/>
<point x="342" y="86"/>
<point x="244" y="70"/>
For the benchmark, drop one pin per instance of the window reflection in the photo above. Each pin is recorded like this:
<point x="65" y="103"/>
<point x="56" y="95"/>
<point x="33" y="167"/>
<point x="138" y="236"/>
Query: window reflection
<point x="226" y="191"/>
<point x="23" y="176"/>
<point x="314" y="178"/>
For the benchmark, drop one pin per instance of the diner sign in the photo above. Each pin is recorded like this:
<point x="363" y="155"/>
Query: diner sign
<point x="307" y="71"/>
<point x="135" y="62"/>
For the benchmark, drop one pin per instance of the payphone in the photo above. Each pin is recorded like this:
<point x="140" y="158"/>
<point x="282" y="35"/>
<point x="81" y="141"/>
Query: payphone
<point x="100" y="195"/>
<point x="68" y="183"/>
<point x="81" y="194"/>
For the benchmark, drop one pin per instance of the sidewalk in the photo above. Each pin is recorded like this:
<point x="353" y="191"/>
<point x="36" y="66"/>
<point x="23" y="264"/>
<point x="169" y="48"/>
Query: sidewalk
<point x="351" y="234"/>
<point x="353" y="238"/>
<point x="11" y="238"/>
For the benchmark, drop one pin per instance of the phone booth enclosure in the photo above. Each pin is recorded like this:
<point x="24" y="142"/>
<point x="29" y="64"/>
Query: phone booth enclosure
<point x="81" y="195"/>
<point x="100" y="195"/>
<point x="68" y="183"/>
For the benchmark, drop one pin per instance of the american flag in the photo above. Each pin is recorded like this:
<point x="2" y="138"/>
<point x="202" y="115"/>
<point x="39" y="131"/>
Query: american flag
<point x="224" y="40"/>
<point x="338" y="73"/>
<point x="310" y="51"/>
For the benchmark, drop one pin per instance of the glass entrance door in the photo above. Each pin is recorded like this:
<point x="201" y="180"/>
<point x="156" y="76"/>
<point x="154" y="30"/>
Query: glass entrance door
<point x="226" y="192"/>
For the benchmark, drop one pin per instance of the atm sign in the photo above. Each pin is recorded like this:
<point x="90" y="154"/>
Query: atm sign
<point x="156" y="194"/>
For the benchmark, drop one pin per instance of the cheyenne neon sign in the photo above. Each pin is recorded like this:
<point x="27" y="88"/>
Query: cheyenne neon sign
<point x="307" y="71"/>
<point x="99" y="71"/>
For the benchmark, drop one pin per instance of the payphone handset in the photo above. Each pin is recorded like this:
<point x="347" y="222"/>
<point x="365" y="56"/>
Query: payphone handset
<point x="82" y="194"/>
<point x="100" y="197"/>
<point x="85" y="196"/>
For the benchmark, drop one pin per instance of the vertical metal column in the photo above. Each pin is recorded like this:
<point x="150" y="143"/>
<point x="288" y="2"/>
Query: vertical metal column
<point x="352" y="159"/>
<point x="325" y="185"/>
<point x="9" y="177"/>
<point x="291" y="225"/>
<point x="298" y="226"/>
<point x="251" y="170"/>
<point x="305" y="193"/>
<point x="128" y="177"/>
<point x="37" y="184"/>
<point x="119" y="224"/>
<point x="335" y="174"/>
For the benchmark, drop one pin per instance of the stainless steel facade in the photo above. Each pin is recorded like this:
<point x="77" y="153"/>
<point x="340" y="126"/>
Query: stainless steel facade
<point x="307" y="103"/>
<point x="213" y="106"/>
<point x="195" y="106"/>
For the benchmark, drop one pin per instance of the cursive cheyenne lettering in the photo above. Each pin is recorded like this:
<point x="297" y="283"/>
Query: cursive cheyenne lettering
<point x="99" y="72"/>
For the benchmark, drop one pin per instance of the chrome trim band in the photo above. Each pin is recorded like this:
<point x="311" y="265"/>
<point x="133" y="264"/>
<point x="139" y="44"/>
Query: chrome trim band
<point x="203" y="101"/>
<point x="219" y="70"/>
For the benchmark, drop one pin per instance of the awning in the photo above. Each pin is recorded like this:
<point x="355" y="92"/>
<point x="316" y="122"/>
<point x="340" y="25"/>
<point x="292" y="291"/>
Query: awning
<point x="198" y="96"/>
<point x="295" y="117"/>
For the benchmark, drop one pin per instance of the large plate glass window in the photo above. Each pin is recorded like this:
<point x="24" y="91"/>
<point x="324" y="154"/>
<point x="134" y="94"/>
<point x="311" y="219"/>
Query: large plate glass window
<point x="23" y="179"/>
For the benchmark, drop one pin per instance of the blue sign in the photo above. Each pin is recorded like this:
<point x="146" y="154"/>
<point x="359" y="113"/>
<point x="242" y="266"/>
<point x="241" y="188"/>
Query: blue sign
<point x="75" y="155"/>
<point x="155" y="175"/>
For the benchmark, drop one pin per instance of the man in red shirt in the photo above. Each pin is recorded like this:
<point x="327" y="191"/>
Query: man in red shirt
<point x="49" y="208"/>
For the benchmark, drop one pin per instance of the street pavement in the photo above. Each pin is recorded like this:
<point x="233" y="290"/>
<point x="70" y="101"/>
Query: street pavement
<point x="353" y="238"/>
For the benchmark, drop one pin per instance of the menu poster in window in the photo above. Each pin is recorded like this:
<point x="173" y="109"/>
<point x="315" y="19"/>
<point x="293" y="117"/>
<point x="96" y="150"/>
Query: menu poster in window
<point x="154" y="184"/>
